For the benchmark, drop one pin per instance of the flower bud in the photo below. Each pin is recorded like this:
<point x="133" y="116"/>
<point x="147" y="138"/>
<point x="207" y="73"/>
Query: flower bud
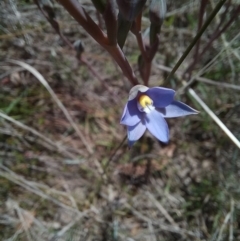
<point x="79" y="47"/>
<point x="123" y="28"/>
<point x="157" y="11"/>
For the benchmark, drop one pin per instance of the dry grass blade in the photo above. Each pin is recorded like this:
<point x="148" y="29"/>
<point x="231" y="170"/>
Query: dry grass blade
<point x="24" y="223"/>
<point x="231" y="221"/>
<point x="161" y="209"/>
<point x="28" y="185"/>
<point x="55" y="98"/>
<point x="206" y="108"/>
<point x="38" y="134"/>
<point x="227" y="218"/>
<point x="214" y="117"/>
<point x="212" y="82"/>
<point x="211" y="63"/>
<point x="162" y="226"/>
<point x="200" y="79"/>
<point x="67" y="227"/>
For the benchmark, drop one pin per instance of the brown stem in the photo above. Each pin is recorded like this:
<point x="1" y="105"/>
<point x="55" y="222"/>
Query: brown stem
<point x="76" y="11"/>
<point x="119" y="57"/>
<point x="148" y="67"/>
<point x="54" y="24"/>
<point x="136" y="29"/>
<point x="79" y="14"/>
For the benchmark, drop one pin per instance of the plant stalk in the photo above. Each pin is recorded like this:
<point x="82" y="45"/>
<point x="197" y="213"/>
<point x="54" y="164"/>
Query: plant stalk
<point x="196" y="38"/>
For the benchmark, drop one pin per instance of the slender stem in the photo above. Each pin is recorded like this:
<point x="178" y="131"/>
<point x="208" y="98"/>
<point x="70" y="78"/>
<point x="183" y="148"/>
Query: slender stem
<point x="145" y="73"/>
<point x="75" y="9"/>
<point x="196" y="38"/>
<point x="119" y="57"/>
<point x="205" y="107"/>
<point x="200" y="22"/>
<point x="110" y="17"/>
<point x="224" y="15"/>
<point x="54" y="24"/>
<point x="80" y="58"/>
<point x="214" y="37"/>
<point x="197" y="78"/>
<point x="136" y="29"/>
<point x="114" y="153"/>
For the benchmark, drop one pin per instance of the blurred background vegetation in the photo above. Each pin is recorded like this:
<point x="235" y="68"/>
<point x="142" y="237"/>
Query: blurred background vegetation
<point x="53" y="188"/>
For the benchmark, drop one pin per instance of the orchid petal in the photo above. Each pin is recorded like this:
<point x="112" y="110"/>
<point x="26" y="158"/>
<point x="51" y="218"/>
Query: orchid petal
<point x="131" y="114"/>
<point x="161" y="97"/>
<point x="177" y="109"/>
<point x="136" y="90"/>
<point x="157" y="126"/>
<point x="135" y="132"/>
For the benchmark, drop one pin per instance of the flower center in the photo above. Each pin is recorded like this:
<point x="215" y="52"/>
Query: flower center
<point x="144" y="100"/>
<point x="145" y="104"/>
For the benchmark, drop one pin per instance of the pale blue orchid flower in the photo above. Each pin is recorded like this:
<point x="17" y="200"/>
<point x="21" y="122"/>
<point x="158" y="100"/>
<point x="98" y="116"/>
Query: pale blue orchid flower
<point x="146" y="109"/>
